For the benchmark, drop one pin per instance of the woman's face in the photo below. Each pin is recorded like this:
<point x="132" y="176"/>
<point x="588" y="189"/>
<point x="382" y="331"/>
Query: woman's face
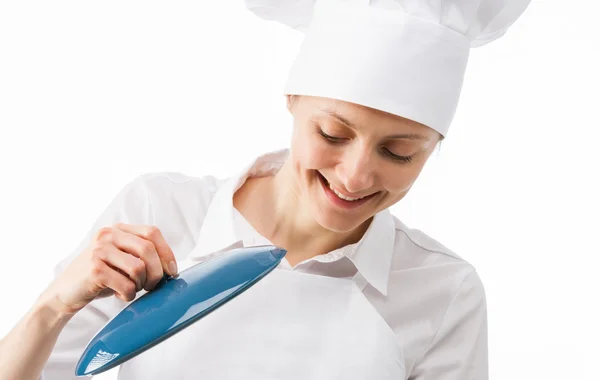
<point x="351" y="161"/>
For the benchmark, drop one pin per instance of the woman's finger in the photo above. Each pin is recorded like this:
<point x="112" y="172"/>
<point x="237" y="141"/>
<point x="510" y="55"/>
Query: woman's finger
<point x="153" y="234"/>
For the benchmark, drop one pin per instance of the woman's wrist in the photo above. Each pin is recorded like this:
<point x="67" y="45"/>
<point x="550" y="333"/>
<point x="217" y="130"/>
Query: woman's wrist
<point x="48" y="312"/>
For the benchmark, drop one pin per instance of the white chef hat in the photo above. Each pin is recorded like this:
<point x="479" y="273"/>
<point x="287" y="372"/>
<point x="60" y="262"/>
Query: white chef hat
<point x="405" y="57"/>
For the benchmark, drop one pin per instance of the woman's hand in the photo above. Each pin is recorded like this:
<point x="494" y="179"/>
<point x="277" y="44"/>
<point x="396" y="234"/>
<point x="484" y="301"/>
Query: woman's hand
<point x="120" y="260"/>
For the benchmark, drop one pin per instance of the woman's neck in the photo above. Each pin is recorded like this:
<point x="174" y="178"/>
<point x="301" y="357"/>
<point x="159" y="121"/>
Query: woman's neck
<point x="276" y="209"/>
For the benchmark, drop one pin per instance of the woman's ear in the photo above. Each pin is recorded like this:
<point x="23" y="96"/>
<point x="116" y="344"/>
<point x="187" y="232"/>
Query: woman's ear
<point x="291" y="99"/>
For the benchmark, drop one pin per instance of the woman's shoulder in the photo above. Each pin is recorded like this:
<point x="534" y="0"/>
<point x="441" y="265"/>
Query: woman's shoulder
<point x="175" y="202"/>
<point x="417" y="252"/>
<point x="415" y="242"/>
<point x="436" y="301"/>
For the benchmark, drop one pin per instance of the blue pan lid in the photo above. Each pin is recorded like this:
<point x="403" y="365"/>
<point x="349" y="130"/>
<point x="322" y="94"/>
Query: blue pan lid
<point x="174" y="304"/>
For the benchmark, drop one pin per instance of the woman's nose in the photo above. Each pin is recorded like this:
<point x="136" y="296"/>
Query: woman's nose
<point x="356" y="171"/>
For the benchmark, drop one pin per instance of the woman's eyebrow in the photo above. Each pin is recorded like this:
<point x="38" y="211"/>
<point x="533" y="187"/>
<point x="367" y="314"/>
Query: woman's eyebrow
<point x="343" y="120"/>
<point x="340" y="118"/>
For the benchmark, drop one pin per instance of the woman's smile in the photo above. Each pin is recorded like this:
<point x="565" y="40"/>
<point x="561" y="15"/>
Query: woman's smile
<point x="338" y="199"/>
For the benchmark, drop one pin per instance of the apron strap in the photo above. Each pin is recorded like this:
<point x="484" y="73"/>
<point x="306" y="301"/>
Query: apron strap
<point x="360" y="281"/>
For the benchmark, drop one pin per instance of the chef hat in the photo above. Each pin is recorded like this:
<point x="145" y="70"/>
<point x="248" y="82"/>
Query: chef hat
<point x="405" y="57"/>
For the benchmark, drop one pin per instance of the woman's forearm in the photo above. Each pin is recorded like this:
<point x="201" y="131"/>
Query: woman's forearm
<point x="27" y="347"/>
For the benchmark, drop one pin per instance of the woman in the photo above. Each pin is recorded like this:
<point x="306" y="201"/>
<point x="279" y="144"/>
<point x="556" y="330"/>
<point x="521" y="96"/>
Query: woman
<point x="359" y="295"/>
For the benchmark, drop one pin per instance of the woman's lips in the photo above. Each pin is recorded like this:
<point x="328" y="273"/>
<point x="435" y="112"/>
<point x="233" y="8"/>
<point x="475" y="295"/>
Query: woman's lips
<point x="337" y="201"/>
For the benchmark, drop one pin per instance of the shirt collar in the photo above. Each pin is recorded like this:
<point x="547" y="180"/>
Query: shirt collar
<point x="372" y="255"/>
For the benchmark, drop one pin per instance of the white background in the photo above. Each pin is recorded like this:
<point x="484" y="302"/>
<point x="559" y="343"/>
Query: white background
<point x="93" y="94"/>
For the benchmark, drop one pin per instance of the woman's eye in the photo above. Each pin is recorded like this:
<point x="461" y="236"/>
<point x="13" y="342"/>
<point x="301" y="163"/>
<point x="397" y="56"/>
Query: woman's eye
<point x="397" y="157"/>
<point x="331" y="138"/>
<point x="386" y="151"/>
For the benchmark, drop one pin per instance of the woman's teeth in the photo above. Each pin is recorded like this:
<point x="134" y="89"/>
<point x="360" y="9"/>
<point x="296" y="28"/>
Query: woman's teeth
<point x="343" y="197"/>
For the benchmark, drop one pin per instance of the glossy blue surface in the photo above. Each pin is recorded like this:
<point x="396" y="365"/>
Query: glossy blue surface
<point x="175" y="304"/>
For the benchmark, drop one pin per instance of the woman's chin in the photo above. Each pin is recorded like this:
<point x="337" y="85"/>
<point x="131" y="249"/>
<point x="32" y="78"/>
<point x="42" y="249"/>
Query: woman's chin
<point x="335" y="222"/>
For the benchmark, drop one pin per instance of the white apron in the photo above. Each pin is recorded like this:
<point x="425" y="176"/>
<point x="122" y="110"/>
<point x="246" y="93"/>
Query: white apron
<point x="290" y="325"/>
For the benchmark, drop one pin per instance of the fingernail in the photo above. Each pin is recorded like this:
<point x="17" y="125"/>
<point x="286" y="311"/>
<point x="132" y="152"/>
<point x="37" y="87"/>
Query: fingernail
<point x="173" y="268"/>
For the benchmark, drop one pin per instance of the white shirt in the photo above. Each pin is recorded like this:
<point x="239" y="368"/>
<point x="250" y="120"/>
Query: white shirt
<point x="432" y="299"/>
